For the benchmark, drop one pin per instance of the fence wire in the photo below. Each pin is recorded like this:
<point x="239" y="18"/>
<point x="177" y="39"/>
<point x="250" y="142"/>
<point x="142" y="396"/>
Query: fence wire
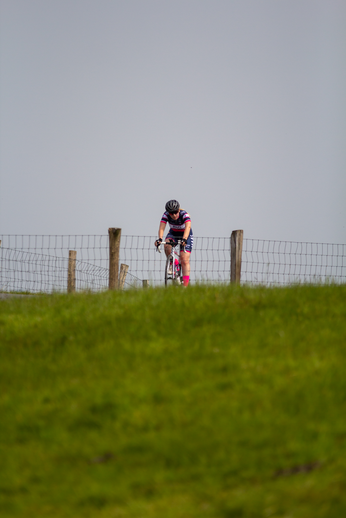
<point x="39" y="263"/>
<point x="24" y="271"/>
<point x="288" y="262"/>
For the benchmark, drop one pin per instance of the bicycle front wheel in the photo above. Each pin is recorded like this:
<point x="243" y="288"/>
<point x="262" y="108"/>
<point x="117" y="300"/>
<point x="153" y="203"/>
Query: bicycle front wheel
<point x="178" y="274"/>
<point x="168" y="274"/>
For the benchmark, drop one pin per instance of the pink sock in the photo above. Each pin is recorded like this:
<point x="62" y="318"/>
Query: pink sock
<point x="176" y="262"/>
<point x="186" y="279"/>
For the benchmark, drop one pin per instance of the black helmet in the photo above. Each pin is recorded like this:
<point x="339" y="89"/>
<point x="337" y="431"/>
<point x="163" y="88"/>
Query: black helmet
<point x="172" y="206"/>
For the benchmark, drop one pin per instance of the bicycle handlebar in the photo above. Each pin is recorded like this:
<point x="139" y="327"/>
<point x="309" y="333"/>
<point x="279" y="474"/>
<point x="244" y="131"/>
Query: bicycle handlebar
<point x="171" y="243"/>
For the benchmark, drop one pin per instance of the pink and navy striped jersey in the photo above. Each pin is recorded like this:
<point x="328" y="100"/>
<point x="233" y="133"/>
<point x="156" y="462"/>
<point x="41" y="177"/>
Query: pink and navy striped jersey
<point x="177" y="227"/>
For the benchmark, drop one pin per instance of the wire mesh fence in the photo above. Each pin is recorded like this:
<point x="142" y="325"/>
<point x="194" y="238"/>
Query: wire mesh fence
<point x="24" y="271"/>
<point x="210" y="259"/>
<point x="91" y="249"/>
<point x="287" y="262"/>
<point x="39" y="263"/>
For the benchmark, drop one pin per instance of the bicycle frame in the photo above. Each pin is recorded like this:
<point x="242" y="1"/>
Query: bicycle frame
<point x="176" y="274"/>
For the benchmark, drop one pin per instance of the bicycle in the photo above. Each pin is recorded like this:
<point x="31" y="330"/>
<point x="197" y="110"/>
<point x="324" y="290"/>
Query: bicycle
<point x="173" y="269"/>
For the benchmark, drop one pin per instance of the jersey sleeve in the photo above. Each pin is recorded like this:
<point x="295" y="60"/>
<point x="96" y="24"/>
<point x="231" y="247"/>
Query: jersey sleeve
<point x="164" y="218"/>
<point x="186" y="217"/>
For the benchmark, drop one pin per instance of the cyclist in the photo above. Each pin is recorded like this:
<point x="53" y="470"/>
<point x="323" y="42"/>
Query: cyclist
<point x="179" y="228"/>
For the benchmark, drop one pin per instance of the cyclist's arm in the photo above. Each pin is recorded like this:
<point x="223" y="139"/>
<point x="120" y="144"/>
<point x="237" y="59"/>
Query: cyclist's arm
<point x="187" y="229"/>
<point x="161" y="229"/>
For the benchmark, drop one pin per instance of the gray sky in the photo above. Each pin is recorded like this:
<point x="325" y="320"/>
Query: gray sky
<point x="236" y="108"/>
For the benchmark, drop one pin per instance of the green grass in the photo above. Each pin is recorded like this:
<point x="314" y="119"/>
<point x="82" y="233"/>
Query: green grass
<point x="216" y="402"/>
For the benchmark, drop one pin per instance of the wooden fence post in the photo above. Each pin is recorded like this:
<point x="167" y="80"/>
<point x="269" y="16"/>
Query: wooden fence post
<point x="145" y="283"/>
<point x="236" y="252"/>
<point x="123" y="272"/>
<point x="71" y="277"/>
<point x="114" y="247"/>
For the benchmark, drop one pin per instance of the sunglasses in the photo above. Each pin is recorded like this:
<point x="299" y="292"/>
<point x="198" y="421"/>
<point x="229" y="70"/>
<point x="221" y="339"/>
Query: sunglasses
<point x="174" y="213"/>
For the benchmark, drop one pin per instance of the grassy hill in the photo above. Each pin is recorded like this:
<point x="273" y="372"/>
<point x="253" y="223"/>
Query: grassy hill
<point x="205" y="402"/>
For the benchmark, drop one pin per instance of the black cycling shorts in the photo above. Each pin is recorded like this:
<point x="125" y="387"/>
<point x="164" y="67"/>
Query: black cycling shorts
<point x="189" y="243"/>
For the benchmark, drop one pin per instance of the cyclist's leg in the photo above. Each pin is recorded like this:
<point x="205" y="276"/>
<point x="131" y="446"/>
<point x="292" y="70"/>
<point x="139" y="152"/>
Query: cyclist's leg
<point x="185" y="260"/>
<point x="168" y="248"/>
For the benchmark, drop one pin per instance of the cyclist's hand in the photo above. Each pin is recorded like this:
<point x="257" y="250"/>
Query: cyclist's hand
<point x="158" y="242"/>
<point x="184" y="242"/>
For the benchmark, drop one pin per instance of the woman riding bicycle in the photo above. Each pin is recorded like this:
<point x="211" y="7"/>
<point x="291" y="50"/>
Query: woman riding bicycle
<point x="179" y="228"/>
